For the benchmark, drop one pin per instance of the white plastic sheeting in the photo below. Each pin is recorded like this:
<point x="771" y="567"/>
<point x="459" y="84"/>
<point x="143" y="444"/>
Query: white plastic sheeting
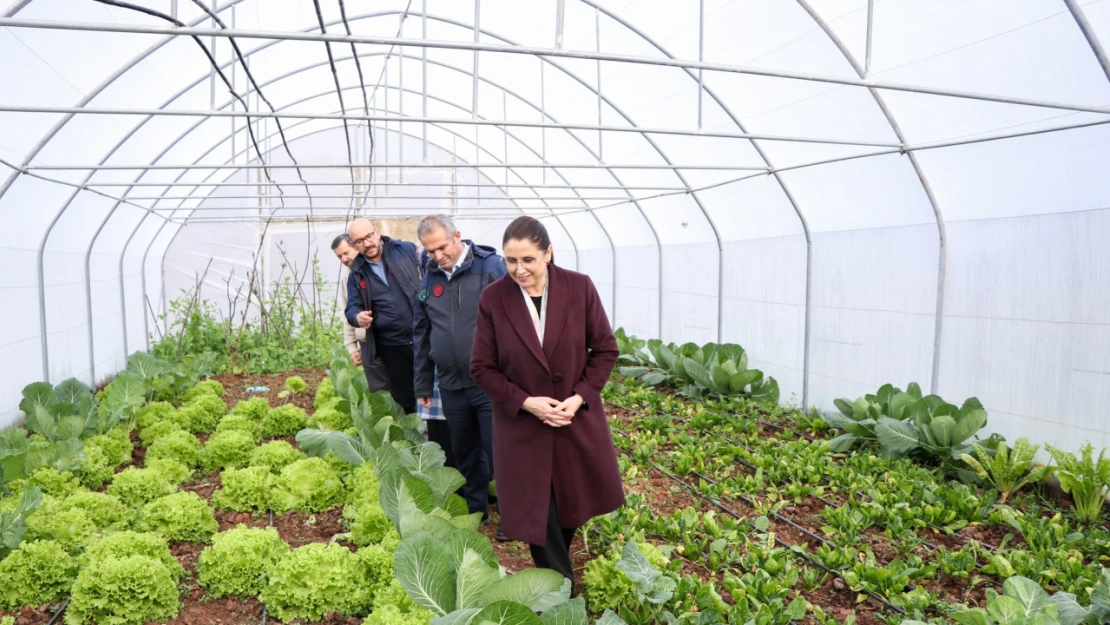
<point x="944" y="243"/>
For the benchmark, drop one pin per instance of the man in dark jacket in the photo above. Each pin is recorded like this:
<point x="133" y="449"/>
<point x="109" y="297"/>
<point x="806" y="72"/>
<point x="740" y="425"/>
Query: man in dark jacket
<point x="381" y="289"/>
<point x="445" y="315"/>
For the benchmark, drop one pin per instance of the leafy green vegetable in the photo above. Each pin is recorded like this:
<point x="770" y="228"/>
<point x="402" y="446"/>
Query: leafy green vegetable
<point x="38" y="572"/>
<point x="181" y="516"/>
<point x="1005" y="472"/>
<point x="123" y="591"/>
<point x="240" y="423"/>
<point x="50" y="481"/>
<point x="325" y="394"/>
<point x="207" y="387"/>
<point x="172" y="470"/>
<point x="1085" y="478"/>
<point x="152" y="413"/>
<point x="284" y="420"/>
<point x="295" y="385"/>
<point x="227" y="450"/>
<point x="129" y="543"/>
<point x="136" y="487"/>
<point x="308" y="485"/>
<point x="97" y="469"/>
<point x="245" y="489"/>
<point x="275" y="456"/>
<point x="313" y="580"/>
<point x="236" y="562"/>
<point x="201" y="414"/>
<point x="254" y="409"/>
<point x="180" y="446"/>
<point x="150" y="434"/>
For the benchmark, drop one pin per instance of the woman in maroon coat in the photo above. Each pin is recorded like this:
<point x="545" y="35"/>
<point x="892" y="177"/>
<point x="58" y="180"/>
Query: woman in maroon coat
<point x="543" y="350"/>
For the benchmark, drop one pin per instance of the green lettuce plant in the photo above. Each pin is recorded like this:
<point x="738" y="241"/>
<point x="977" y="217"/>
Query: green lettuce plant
<point x="181" y="516"/>
<point x="295" y="385"/>
<point x="275" y="456"/>
<point x="136" y="487"/>
<point x="1005" y="471"/>
<point x="244" y="490"/>
<point x="284" y="420"/>
<point x="325" y="394"/>
<point x="254" y="408"/>
<point x="123" y="591"/>
<point x="130" y="543"/>
<point x="313" y="580"/>
<point x="178" y="445"/>
<point x="38" y="572"/>
<point x="206" y="387"/>
<point x="240" y="423"/>
<point x="152" y="413"/>
<point x="152" y="433"/>
<point x="1084" y="478"/>
<point x="200" y="415"/>
<point x="175" y="472"/>
<point x="237" y="560"/>
<point x="308" y="485"/>
<point x="227" y="450"/>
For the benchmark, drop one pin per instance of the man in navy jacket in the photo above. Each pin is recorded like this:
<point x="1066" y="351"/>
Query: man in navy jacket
<point x="445" y="315"/>
<point x="381" y="289"/>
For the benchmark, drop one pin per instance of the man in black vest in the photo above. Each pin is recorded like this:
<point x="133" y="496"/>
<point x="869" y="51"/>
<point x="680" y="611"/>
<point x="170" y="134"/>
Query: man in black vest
<point x="381" y="290"/>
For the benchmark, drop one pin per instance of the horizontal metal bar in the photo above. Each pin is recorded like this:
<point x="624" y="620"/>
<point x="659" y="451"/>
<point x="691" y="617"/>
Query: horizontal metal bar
<point x="473" y="121"/>
<point x="538" y="51"/>
<point x="445" y="166"/>
<point x="354" y="197"/>
<point x="387" y="184"/>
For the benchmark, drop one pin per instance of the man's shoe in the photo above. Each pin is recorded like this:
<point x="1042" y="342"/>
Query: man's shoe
<point x="501" y="537"/>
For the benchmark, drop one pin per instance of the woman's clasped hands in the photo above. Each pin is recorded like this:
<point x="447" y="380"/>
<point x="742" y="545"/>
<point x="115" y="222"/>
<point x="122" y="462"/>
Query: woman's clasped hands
<point x="553" y="412"/>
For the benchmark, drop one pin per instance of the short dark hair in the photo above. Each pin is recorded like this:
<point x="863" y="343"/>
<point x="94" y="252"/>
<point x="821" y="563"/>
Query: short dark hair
<point x="343" y="238"/>
<point x="527" y="228"/>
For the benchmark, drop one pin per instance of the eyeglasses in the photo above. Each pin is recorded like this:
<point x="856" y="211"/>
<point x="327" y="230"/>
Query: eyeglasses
<point x="365" y="239"/>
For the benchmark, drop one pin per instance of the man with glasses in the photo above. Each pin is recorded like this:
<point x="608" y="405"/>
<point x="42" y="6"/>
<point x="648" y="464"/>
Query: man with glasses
<point x="381" y="290"/>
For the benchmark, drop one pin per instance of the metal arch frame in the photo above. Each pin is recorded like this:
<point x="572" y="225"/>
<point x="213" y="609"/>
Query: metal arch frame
<point x="942" y="252"/>
<point x="1090" y="34"/>
<point x="782" y="185"/>
<point x="588" y="87"/>
<point x="49" y="136"/>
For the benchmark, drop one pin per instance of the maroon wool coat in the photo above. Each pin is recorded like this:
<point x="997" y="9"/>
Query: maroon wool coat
<point x="531" y="458"/>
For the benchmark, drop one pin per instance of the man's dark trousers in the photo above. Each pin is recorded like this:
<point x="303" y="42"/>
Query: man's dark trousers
<point x="470" y="415"/>
<point x="398" y="361"/>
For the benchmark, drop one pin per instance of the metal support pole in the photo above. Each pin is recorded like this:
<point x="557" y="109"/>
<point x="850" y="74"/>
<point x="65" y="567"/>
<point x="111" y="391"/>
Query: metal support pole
<point x="1090" y="34"/>
<point x="477" y="27"/>
<point x="560" y="19"/>
<point x="543" y="118"/>
<point x="401" y="110"/>
<point x="424" y="74"/>
<point x="597" y="41"/>
<point x="870" y="23"/>
<point x="701" y="57"/>
<point x="505" y="129"/>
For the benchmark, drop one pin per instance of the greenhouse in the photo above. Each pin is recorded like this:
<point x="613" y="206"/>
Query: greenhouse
<point x="828" y="338"/>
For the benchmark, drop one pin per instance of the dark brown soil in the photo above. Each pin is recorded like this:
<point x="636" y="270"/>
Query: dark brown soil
<point x="299" y="529"/>
<point x="840" y="601"/>
<point x="37" y="615"/>
<point x="991" y="535"/>
<point x="230" y="520"/>
<point x="236" y="385"/>
<point x="203" y="486"/>
<point x="199" y="609"/>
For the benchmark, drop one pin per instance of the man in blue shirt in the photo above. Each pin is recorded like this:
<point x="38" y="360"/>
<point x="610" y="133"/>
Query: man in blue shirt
<point x="381" y="290"/>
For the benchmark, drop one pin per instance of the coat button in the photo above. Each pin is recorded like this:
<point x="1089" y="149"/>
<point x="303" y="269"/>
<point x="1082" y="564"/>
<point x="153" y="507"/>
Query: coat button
<point x="558" y="377"/>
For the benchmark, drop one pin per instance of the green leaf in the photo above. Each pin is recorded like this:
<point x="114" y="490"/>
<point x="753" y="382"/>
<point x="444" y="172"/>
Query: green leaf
<point x="461" y="540"/>
<point x="426" y="570"/>
<point x="762" y="523"/>
<point x="423" y="457"/>
<point x="845" y="407"/>
<point x="400" y="484"/>
<point x="1028" y="593"/>
<point x="40" y="421"/>
<point x="972" y="422"/>
<point x="456" y="505"/>
<point x="765" y="392"/>
<point x="843" y="443"/>
<point x="633" y="372"/>
<point x="72" y="391"/>
<point x="940" y="431"/>
<point x="655" y="378"/>
<point x="1071" y="613"/>
<point x="1006" y="611"/>
<point x="474" y="577"/>
<point x="458" y="617"/>
<point x="698" y="374"/>
<point x="126" y="393"/>
<point x="970" y="617"/>
<point x="571" y="612"/>
<point x="720" y="378"/>
<point x="444" y="481"/>
<point x="730" y="352"/>
<point x="796" y="611"/>
<point x="70" y="427"/>
<point x="660" y="591"/>
<point x="899" y="405"/>
<point x="610" y="617"/>
<point x="318" y="443"/>
<point x="12" y="466"/>
<point x="146" y="366"/>
<point x="41" y="393"/>
<point x="467" y="521"/>
<point x="506" y="613"/>
<point x="739" y="382"/>
<point x="895" y="437"/>
<point x="636" y="566"/>
<point x="539" y="589"/>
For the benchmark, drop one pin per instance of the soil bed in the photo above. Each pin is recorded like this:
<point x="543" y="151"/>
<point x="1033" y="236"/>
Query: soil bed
<point x="37" y="615"/>
<point x="299" y="529"/>
<point x="236" y="385"/>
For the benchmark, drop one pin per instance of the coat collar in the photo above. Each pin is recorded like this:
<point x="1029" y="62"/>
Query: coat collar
<point x="558" y="291"/>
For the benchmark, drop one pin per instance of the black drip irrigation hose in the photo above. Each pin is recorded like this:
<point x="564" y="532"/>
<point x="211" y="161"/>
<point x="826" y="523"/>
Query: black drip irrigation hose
<point x="61" y="609"/>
